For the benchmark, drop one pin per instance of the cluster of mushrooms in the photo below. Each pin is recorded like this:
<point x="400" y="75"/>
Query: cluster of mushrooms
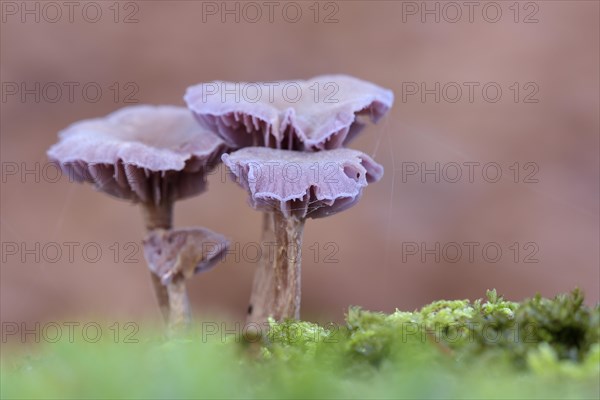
<point x="289" y="156"/>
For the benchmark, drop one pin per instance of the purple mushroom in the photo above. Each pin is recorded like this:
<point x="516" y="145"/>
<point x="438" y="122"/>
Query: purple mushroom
<point x="321" y="113"/>
<point x="176" y="255"/>
<point x="291" y="186"/>
<point x="151" y="155"/>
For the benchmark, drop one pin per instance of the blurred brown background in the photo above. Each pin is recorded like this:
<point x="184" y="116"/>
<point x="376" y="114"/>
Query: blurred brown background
<point x="554" y="221"/>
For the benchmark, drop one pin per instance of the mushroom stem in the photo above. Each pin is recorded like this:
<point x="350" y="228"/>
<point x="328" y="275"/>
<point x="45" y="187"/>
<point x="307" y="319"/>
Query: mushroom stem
<point x="172" y="297"/>
<point x="288" y="253"/>
<point x="276" y="291"/>
<point x="262" y="285"/>
<point x="158" y="216"/>
<point x="180" y="315"/>
<point x="162" y="295"/>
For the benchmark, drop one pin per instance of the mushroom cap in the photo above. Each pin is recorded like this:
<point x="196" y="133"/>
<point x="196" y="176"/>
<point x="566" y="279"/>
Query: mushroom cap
<point x="324" y="112"/>
<point x="305" y="185"/>
<point x="184" y="252"/>
<point x="142" y="153"/>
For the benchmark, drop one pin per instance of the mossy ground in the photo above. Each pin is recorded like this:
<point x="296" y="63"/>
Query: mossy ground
<point x="540" y="348"/>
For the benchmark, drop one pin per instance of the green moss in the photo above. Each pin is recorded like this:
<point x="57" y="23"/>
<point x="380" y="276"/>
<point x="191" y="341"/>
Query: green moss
<point x="564" y="324"/>
<point x="448" y="349"/>
<point x="494" y="328"/>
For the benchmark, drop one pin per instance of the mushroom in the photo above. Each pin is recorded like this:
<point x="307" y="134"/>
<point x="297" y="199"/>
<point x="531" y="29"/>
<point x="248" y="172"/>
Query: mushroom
<point x="175" y="256"/>
<point x="321" y="113"/>
<point x="291" y="186"/>
<point x="151" y="155"/>
<point x="325" y="112"/>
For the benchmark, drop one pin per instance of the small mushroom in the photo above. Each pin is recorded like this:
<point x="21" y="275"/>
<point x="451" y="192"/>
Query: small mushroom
<point x="292" y="186"/>
<point x="324" y="112"/>
<point x="175" y="256"/>
<point x="151" y="155"/>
